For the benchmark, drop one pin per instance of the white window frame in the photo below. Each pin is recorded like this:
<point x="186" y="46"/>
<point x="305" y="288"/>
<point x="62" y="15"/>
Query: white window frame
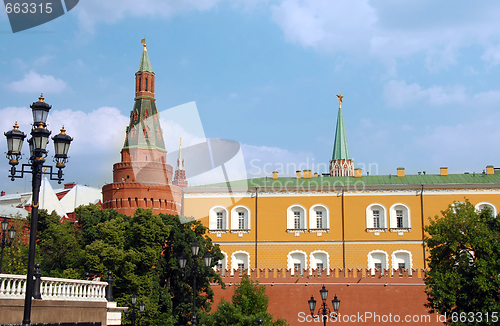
<point x="224" y="263"/>
<point x="290" y="223"/>
<point x="396" y="259"/>
<point x="371" y="260"/>
<point x="212" y="219"/>
<point x="484" y="203"/>
<point x="292" y="258"/>
<point x="314" y="259"/>
<point x="369" y="218"/>
<point x="235" y="227"/>
<point x="236" y="259"/>
<point x="406" y="218"/>
<point x="313" y="218"/>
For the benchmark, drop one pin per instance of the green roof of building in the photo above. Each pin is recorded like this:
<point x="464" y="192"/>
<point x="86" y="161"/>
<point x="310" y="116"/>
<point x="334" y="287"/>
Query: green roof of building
<point x="326" y="181"/>
<point x="340" y="149"/>
<point x="145" y="65"/>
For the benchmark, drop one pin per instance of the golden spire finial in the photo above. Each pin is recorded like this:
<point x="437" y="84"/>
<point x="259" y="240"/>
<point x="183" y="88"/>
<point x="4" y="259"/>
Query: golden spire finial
<point x="340" y="97"/>
<point x="41" y="99"/>
<point x="63" y="131"/>
<point x="143" y="41"/>
<point x="180" y="142"/>
<point x="16" y="127"/>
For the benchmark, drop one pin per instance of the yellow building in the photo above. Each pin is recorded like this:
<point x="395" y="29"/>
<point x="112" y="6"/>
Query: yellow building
<point x="344" y="220"/>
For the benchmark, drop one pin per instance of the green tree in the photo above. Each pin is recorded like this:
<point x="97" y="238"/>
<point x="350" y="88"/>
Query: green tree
<point x="16" y="256"/>
<point x="58" y="249"/>
<point x="179" y="286"/>
<point x="132" y="249"/>
<point x="249" y="302"/>
<point x="464" y="264"/>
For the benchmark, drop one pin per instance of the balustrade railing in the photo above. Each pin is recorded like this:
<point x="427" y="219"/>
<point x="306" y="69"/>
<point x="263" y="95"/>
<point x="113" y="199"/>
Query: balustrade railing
<point x="14" y="287"/>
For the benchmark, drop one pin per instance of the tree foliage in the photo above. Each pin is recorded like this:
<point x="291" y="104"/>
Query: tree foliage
<point x="464" y="263"/>
<point x="249" y="302"/>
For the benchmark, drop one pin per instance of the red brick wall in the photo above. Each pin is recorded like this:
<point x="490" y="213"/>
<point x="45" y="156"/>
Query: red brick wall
<point x="380" y="298"/>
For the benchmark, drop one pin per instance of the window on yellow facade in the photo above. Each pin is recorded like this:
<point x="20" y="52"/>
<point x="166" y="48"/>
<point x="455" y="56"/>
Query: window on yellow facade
<point x="218" y="219"/>
<point x="296" y="218"/>
<point x="400" y="216"/>
<point x="319" y="217"/>
<point x="319" y="260"/>
<point x="402" y="260"/>
<point x="240" y="260"/>
<point x="479" y="207"/>
<point x="296" y="258"/>
<point x="240" y="218"/>
<point x="376" y="217"/>
<point x="377" y="260"/>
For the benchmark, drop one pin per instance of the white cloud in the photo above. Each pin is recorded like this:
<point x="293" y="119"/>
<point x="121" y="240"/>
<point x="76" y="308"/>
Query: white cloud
<point x="391" y="29"/>
<point x="91" y="12"/>
<point x="36" y="83"/>
<point x="397" y="94"/>
<point x="461" y="146"/>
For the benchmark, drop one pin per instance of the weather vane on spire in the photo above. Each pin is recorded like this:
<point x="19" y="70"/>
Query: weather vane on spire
<point x="143" y="41"/>
<point x="340" y="97"/>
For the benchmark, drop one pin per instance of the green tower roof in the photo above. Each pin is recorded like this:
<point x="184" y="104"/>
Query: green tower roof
<point x="340" y="149"/>
<point x="145" y="65"/>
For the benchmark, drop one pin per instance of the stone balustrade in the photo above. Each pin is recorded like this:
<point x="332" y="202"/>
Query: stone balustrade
<point x="14" y="287"/>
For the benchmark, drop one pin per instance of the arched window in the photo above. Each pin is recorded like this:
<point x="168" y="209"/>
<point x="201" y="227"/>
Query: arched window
<point x="146" y="132"/>
<point x="377" y="260"/>
<point x="401" y="260"/>
<point x="400" y="218"/>
<point x="146" y="114"/>
<point x="135" y="115"/>
<point x="222" y="264"/>
<point x="132" y="132"/>
<point x="146" y="84"/>
<point x="319" y="260"/>
<point x="240" y="260"/>
<point x="319" y="218"/>
<point x="218" y="220"/>
<point x="483" y="205"/>
<point x="296" y="219"/>
<point x="376" y="218"/>
<point x="297" y="260"/>
<point x="240" y="219"/>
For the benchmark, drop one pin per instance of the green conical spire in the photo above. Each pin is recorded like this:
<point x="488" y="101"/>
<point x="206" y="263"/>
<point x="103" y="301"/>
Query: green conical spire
<point x="145" y="65"/>
<point x="340" y="149"/>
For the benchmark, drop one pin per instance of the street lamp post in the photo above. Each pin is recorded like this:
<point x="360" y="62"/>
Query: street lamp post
<point x="37" y="143"/>
<point x="207" y="260"/>
<point x="324" y="311"/>
<point x="133" y="315"/>
<point x="12" y="235"/>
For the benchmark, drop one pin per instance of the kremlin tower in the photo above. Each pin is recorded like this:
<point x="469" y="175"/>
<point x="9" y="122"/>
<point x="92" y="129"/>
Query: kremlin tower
<point x="180" y="172"/>
<point x="341" y="164"/>
<point x="142" y="178"/>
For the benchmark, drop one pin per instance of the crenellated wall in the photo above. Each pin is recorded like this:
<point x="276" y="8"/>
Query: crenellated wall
<point x="381" y="297"/>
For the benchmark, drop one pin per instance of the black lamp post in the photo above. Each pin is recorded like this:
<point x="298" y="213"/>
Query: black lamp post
<point x="37" y="143"/>
<point x="12" y="235"/>
<point x="324" y="311"/>
<point x="207" y="261"/>
<point x="133" y="315"/>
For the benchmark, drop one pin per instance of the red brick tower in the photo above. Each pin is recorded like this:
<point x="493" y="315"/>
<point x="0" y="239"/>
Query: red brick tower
<point x="142" y="178"/>
<point x="180" y="172"/>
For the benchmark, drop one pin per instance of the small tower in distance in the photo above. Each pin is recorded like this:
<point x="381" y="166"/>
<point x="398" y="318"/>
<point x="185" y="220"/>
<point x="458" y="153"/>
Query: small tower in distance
<point x="341" y="164"/>
<point x="180" y="172"/>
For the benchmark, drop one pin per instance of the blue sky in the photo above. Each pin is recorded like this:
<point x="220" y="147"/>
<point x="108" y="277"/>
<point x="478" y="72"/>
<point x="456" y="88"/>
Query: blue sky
<point x="420" y="79"/>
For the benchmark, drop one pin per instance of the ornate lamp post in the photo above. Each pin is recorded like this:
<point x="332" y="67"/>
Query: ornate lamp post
<point x="37" y="143"/>
<point x="324" y="311"/>
<point x="133" y="315"/>
<point x="207" y="261"/>
<point x="12" y="235"/>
